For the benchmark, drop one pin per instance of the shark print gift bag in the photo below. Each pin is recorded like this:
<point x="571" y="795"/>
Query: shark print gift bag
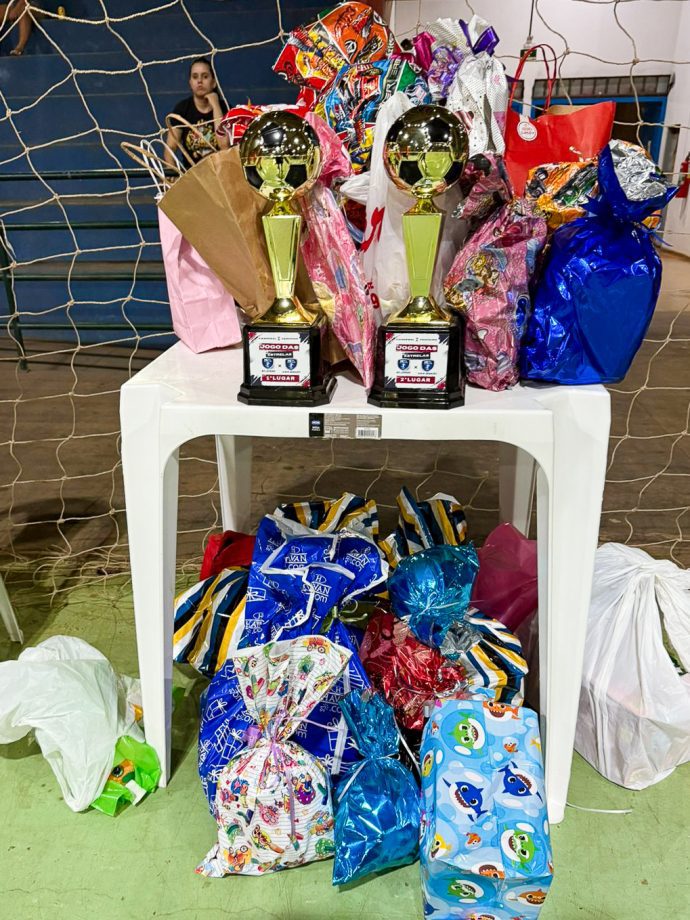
<point x="273" y="802"/>
<point x="485" y="850"/>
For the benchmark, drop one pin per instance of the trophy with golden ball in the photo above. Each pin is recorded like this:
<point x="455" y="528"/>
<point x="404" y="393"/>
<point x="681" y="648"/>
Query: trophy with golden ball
<point x="283" y="359"/>
<point x="419" y="353"/>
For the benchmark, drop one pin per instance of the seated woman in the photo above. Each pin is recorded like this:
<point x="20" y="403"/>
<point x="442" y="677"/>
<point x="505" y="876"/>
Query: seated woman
<point x="204" y="110"/>
<point x="16" y="10"/>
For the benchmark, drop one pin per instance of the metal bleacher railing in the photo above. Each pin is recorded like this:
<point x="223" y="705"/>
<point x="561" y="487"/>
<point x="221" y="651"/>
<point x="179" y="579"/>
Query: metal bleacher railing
<point x="12" y="271"/>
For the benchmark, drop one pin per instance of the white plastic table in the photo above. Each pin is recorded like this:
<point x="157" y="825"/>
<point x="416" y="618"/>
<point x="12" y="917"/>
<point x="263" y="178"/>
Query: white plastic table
<point x="562" y="432"/>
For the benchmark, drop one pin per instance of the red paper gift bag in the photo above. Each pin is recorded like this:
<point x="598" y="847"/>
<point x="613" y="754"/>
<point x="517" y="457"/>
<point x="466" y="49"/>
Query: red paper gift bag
<point x="551" y="138"/>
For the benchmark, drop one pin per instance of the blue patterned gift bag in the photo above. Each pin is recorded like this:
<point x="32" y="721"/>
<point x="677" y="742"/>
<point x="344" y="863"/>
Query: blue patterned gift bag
<point x="485" y="850"/>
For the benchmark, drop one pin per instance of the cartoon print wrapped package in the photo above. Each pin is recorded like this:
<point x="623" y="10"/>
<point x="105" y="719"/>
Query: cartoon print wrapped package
<point x="377" y="811"/>
<point x="485" y="849"/>
<point x="225" y="720"/>
<point x="273" y="803"/>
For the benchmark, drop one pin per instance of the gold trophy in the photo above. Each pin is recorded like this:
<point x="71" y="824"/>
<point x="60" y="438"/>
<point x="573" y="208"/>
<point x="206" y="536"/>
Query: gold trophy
<point x="283" y="362"/>
<point x="419" y="354"/>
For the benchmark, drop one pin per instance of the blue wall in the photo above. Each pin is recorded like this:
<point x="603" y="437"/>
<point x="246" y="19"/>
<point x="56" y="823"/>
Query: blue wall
<point x="105" y="109"/>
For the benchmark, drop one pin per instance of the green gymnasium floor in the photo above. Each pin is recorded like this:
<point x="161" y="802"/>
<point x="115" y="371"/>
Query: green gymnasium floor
<point x="57" y="865"/>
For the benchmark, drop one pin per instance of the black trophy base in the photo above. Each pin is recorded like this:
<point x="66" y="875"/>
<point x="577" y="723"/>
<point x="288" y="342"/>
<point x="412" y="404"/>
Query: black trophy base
<point x="420" y="365"/>
<point x="284" y="365"/>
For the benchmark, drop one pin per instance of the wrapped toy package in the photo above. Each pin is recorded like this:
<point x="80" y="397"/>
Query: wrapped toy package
<point x="408" y="673"/>
<point x="377" y="813"/>
<point x="273" y="803"/>
<point x="600" y="283"/>
<point x="485" y="850"/>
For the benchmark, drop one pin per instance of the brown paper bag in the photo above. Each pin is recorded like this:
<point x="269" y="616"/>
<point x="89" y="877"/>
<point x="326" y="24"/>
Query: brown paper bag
<point x="219" y="213"/>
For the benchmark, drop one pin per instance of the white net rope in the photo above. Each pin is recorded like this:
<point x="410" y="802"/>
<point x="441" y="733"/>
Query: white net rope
<point x="62" y="516"/>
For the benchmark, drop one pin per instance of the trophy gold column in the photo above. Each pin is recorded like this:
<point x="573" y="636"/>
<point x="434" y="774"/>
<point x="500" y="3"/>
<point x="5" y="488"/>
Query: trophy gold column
<point x="419" y="353"/>
<point x="283" y="360"/>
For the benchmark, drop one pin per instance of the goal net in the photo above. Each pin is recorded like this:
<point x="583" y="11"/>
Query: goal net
<point x="85" y="306"/>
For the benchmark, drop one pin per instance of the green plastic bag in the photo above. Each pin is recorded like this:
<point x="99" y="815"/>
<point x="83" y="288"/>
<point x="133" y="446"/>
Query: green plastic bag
<point x="136" y="772"/>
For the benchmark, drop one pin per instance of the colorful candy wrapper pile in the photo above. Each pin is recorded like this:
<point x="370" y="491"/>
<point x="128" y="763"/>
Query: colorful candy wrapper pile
<point x="485" y="849"/>
<point x="377" y="806"/>
<point x="351" y="60"/>
<point x="273" y="802"/>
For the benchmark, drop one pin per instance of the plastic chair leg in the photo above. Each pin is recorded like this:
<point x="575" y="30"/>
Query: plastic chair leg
<point x="234" y="456"/>
<point x="151" y="490"/>
<point x="569" y="511"/>
<point x="8" y="615"/>
<point x="517" y="477"/>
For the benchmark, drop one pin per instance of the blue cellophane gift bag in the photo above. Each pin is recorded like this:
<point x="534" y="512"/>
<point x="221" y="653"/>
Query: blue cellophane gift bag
<point x="377" y="805"/>
<point x="599" y="285"/>
<point x="431" y="590"/>
<point x="485" y="848"/>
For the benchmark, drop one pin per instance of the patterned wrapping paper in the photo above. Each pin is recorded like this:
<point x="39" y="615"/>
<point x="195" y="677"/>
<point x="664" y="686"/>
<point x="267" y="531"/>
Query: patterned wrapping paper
<point x="335" y="271"/>
<point x="439" y="520"/>
<point x="485" y="848"/>
<point x="489" y="283"/>
<point x="209" y="620"/>
<point x="299" y="575"/>
<point x="325" y="735"/>
<point x="273" y="803"/>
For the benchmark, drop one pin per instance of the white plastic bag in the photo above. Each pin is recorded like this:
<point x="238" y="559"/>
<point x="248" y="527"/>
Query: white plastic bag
<point x="69" y="694"/>
<point x="383" y="248"/>
<point x="634" y="719"/>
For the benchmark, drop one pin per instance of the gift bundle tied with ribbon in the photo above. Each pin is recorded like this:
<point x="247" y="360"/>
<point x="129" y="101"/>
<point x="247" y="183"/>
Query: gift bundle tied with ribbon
<point x="273" y="801"/>
<point x="377" y="804"/>
<point x="600" y="281"/>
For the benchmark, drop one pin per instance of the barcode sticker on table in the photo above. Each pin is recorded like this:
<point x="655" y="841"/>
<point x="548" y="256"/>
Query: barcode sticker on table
<point x="339" y="425"/>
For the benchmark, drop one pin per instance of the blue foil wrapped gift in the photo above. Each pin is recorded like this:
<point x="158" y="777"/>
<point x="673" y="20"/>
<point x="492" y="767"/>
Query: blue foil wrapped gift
<point x="485" y="848"/>
<point x="431" y="590"/>
<point x="599" y="286"/>
<point x="377" y="805"/>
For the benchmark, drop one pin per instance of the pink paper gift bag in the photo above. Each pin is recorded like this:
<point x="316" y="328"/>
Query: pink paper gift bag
<point x="204" y="315"/>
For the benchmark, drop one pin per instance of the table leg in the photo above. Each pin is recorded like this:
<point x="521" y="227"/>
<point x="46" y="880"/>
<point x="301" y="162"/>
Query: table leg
<point x="8" y="615"/>
<point x="516" y="477"/>
<point x="569" y="511"/>
<point x="151" y="494"/>
<point x="234" y="455"/>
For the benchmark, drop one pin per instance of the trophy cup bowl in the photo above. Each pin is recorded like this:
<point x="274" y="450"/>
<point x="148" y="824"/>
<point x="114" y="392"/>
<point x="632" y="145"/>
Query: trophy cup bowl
<point x="283" y="360"/>
<point x="281" y="159"/>
<point x="419" y="355"/>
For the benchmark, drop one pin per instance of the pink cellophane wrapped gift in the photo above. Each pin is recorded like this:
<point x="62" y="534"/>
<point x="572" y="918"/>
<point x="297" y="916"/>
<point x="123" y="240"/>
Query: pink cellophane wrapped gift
<point x="332" y="261"/>
<point x="489" y="278"/>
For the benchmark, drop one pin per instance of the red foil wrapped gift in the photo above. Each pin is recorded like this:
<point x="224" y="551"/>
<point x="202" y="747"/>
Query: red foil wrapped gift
<point x="408" y="673"/>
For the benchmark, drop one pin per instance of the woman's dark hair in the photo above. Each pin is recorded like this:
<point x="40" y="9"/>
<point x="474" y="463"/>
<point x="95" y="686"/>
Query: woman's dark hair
<point x="202" y="60"/>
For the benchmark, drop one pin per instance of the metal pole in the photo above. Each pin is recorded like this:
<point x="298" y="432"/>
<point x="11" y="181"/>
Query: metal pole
<point x="13" y="326"/>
